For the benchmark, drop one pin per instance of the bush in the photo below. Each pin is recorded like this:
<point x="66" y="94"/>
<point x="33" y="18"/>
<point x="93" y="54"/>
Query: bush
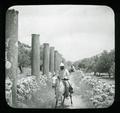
<point x="28" y="86"/>
<point x="102" y="92"/>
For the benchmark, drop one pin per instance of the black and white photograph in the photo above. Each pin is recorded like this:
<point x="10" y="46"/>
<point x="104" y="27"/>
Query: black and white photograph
<point x="60" y="56"/>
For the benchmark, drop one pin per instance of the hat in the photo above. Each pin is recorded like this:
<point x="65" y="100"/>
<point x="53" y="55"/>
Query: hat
<point x="61" y="64"/>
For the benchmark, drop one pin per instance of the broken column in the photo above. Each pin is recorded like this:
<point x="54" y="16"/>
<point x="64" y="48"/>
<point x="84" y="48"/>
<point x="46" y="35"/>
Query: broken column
<point x="35" y="55"/>
<point x="46" y="58"/>
<point x="51" y="63"/>
<point x="11" y="34"/>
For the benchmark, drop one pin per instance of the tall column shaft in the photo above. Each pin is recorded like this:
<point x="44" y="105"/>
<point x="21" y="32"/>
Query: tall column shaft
<point x="11" y="34"/>
<point x="35" y="55"/>
<point x="59" y="59"/>
<point x="55" y="61"/>
<point x="41" y="58"/>
<point x="51" y="65"/>
<point x="46" y="59"/>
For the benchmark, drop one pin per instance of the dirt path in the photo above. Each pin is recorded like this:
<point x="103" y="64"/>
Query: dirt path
<point x="78" y="102"/>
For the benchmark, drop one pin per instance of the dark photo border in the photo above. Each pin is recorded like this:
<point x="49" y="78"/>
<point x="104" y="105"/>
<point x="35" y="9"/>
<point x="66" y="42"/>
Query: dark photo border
<point x="5" y="4"/>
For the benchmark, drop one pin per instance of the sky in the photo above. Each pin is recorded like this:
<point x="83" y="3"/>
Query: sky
<point x="76" y="31"/>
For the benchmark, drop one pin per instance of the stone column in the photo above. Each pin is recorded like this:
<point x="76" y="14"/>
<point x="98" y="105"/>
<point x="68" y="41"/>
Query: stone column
<point x="35" y="55"/>
<point x="60" y="58"/>
<point x="46" y="59"/>
<point x="59" y="61"/>
<point x="51" y="65"/>
<point x="11" y="35"/>
<point x="41" y="58"/>
<point x="55" y="60"/>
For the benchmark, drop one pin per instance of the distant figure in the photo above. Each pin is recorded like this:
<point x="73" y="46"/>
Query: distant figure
<point x="72" y="69"/>
<point x="41" y="67"/>
<point x="81" y="72"/>
<point x="20" y="68"/>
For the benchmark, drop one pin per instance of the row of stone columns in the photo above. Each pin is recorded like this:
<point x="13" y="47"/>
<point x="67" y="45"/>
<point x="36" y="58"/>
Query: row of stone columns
<point x="51" y="57"/>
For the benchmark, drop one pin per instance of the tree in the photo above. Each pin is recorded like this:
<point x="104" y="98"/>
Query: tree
<point x="24" y="55"/>
<point x="81" y="65"/>
<point x="104" y="62"/>
<point x="112" y="70"/>
<point x="69" y="63"/>
<point x="76" y="63"/>
<point x="94" y="64"/>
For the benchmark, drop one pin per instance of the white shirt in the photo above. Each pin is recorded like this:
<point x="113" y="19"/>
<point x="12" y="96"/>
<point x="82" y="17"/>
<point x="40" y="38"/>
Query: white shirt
<point x="64" y="74"/>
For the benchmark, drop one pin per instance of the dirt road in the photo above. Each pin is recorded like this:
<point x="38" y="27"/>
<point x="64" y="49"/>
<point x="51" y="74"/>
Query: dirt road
<point x="78" y="102"/>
